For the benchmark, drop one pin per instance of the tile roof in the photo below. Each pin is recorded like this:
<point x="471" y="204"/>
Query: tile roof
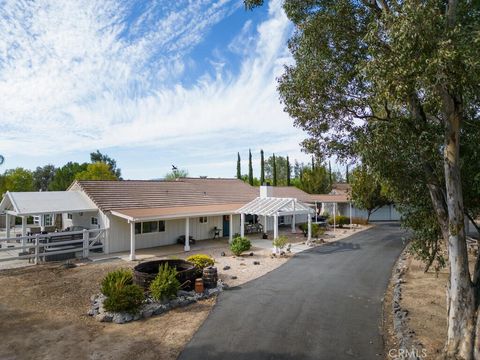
<point x="291" y="192"/>
<point x="176" y="212"/>
<point x="142" y="194"/>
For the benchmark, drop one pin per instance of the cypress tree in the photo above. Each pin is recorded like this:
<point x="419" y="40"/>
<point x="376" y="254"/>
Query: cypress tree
<point x="313" y="163"/>
<point x="250" y="168"/>
<point x="330" y="173"/>
<point x="347" y="176"/>
<point x="288" y="171"/>
<point x="262" y="168"/>
<point x="274" y="171"/>
<point x="239" y="169"/>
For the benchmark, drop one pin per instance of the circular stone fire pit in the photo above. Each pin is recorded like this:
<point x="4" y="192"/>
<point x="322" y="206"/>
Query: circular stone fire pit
<point x="145" y="273"/>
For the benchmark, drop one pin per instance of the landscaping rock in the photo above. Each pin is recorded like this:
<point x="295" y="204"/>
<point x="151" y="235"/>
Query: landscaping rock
<point x="174" y="303"/>
<point x="256" y="263"/>
<point x="160" y="309"/>
<point x="213" y="291"/>
<point x="233" y="277"/>
<point x="104" y="317"/>
<point x="251" y="254"/>
<point x="185" y="293"/>
<point x="122" y="317"/>
<point x="226" y="267"/>
<point x="243" y="264"/>
<point x="222" y="253"/>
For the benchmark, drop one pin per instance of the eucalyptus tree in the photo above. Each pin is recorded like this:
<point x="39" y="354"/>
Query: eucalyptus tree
<point x="364" y="70"/>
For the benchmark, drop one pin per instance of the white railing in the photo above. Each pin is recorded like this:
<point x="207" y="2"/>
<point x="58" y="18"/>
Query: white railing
<point x="41" y="247"/>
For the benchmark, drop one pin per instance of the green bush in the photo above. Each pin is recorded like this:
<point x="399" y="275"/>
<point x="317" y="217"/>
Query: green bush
<point x="201" y="261"/>
<point x="125" y="298"/>
<point x="359" y="221"/>
<point x="166" y="284"/>
<point x="121" y="294"/>
<point x="317" y="230"/>
<point x="340" y="220"/>
<point x="280" y="242"/>
<point x="239" y="245"/>
<point x="115" y="280"/>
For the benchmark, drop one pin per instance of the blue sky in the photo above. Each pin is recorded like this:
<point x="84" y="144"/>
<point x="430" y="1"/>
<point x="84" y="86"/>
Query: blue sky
<point x="151" y="83"/>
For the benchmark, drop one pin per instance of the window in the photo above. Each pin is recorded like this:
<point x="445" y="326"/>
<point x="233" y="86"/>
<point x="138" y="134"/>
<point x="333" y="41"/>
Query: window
<point x="161" y="226"/>
<point x="69" y="216"/>
<point x="150" y="226"/>
<point x="138" y="228"/>
<point x="94" y="220"/>
<point x="48" y="219"/>
<point x="203" y="220"/>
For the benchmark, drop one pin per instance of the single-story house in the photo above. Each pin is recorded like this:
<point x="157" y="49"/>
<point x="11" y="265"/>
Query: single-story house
<point x="143" y="214"/>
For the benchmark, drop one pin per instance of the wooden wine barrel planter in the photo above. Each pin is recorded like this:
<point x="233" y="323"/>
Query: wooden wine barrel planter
<point x="210" y="277"/>
<point x="144" y="273"/>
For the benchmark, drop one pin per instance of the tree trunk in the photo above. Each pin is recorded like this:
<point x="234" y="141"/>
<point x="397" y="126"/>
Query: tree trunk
<point x="461" y="306"/>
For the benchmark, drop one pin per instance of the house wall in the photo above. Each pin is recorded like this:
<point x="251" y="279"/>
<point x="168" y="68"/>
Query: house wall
<point x="119" y="232"/>
<point x="83" y="219"/>
<point x="385" y="213"/>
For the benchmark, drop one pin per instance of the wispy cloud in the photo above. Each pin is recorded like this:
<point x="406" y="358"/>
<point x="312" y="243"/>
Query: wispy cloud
<point x="85" y="75"/>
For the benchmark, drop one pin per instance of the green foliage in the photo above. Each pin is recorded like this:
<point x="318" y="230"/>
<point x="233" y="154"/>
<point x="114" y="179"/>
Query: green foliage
<point x="104" y="158"/>
<point x="18" y="179"/>
<point x="239" y="167"/>
<point x="280" y="242"/>
<point x="121" y="293"/>
<point x="262" y="168"/>
<point x="43" y="177"/>
<point x="359" y="221"/>
<point x="116" y="279"/>
<point x="201" y="261"/>
<point x="367" y="191"/>
<point x="250" y="168"/>
<point x="316" y="230"/>
<point x="127" y="298"/>
<point x="340" y="220"/>
<point x="239" y="245"/>
<point x="65" y="175"/>
<point x="97" y="171"/>
<point x="313" y="181"/>
<point x="165" y="285"/>
<point x="176" y="174"/>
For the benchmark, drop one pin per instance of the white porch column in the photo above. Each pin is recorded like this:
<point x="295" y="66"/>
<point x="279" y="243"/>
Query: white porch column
<point x="230" y="232"/>
<point x="242" y="225"/>
<point x="132" y="241"/>
<point x="309" y="236"/>
<point x="265" y="223"/>
<point x="42" y="222"/>
<point x="187" y="234"/>
<point x="334" y="216"/>
<point x="7" y="224"/>
<point x="275" y="226"/>
<point x="350" y="208"/>
<point x="293" y="219"/>
<point x="24" y="225"/>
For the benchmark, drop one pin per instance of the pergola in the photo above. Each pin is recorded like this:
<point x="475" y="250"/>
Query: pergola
<point x="24" y="204"/>
<point x="275" y="207"/>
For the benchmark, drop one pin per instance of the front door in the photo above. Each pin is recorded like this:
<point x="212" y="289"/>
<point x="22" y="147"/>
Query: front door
<point x="226" y="225"/>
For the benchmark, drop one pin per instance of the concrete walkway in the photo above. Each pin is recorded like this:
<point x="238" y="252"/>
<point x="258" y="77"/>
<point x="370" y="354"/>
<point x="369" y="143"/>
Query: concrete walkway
<point x="325" y="303"/>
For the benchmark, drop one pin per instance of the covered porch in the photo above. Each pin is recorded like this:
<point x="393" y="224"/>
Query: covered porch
<point x="271" y="207"/>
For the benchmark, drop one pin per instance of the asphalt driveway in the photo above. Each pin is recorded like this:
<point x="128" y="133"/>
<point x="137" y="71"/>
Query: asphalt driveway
<point x="325" y="303"/>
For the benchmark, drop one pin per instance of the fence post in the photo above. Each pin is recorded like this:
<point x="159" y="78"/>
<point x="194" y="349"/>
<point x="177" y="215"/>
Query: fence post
<point x="37" y="244"/>
<point x="86" y="235"/>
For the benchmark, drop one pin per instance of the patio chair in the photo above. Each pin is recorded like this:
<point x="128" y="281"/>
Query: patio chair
<point x="216" y="232"/>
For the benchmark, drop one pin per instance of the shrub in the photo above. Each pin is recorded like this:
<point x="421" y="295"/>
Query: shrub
<point x="125" y="298"/>
<point x="340" y="220"/>
<point x="317" y="230"/>
<point x="115" y="280"/>
<point x="121" y="293"/>
<point x="239" y="245"/>
<point x="201" y="261"/>
<point x="165" y="285"/>
<point x="280" y="242"/>
<point x="359" y="221"/>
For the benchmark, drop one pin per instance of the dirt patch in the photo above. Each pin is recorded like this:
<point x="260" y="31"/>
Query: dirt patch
<point x="43" y="309"/>
<point x="424" y="296"/>
<point x="43" y="312"/>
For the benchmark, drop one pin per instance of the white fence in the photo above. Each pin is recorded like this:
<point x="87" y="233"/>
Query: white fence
<point x="48" y="247"/>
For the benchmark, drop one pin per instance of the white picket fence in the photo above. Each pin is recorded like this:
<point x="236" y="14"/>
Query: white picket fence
<point x="40" y="247"/>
